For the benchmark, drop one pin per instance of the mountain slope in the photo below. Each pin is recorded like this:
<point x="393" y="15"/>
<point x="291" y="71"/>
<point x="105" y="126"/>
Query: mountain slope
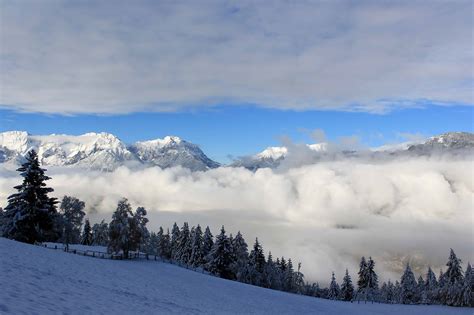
<point x="102" y="151"/>
<point x="172" y="151"/>
<point x="44" y="281"/>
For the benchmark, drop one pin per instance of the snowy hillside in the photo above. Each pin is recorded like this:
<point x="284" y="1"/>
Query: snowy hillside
<point x="102" y="151"/>
<point x="45" y="281"/>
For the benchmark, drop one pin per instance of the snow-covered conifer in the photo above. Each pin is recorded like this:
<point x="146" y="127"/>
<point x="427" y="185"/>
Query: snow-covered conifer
<point x="119" y="229"/>
<point x="86" y="238"/>
<point x="100" y="234"/>
<point x="31" y="214"/>
<point x="347" y="289"/>
<point x="219" y="258"/>
<point x="408" y="286"/>
<point x="197" y="243"/>
<point x="334" y="290"/>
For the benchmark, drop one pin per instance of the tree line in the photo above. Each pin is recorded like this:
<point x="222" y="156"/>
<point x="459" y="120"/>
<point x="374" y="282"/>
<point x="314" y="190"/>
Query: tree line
<point x="32" y="216"/>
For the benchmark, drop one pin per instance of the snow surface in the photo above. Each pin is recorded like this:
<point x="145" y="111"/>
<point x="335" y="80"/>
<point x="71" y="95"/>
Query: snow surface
<point x="37" y="280"/>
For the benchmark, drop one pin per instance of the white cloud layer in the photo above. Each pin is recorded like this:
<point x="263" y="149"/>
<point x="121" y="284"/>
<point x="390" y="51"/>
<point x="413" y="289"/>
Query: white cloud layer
<point x="325" y="215"/>
<point x="122" y="56"/>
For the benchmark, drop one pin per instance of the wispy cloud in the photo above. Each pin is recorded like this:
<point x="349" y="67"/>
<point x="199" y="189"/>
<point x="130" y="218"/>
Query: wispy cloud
<point x="120" y="56"/>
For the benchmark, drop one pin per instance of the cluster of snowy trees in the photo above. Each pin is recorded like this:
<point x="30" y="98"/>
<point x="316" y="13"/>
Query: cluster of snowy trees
<point x="32" y="216"/>
<point x="453" y="287"/>
<point x="225" y="256"/>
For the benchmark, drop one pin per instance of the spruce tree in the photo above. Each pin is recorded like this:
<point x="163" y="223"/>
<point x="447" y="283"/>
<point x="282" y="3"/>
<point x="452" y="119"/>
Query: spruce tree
<point x="451" y="291"/>
<point x="430" y="291"/>
<point x="219" y="258"/>
<point x="347" y="289"/>
<point x="174" y="242"/>
<point x="408" y="286"/>
<point x="208" y="242"/>
<point x="333" y="288"/>
<point x="31" y="214"/>
<point x="197" y="243"/>
<point x="183" y="251"/>
<point x="138" y="230"/>
<point x="87" y="233"/>
<point x="468" y="288"/>
<point x="239" y="264"/>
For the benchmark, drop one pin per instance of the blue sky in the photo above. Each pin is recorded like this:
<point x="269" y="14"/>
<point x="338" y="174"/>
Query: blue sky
<point x="243" y="130"/>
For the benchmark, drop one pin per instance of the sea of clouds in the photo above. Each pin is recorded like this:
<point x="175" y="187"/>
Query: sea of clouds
<point x="326" y="215"/>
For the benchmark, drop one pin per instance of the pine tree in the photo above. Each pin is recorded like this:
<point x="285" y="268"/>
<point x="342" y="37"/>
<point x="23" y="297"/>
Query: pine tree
<point x="119" y="229"/>
<point x="430" y="291"/>
<point x="468" y="288"/>
<point x="174" y="242"/>
<point x="164" y="244"/>
<point x="219" y="258"/>
<point x="451" y="291"/>
<point x="208" y="242"/>
<point x="197" y="243"/>
<point x="87" y="233"/>
<point x="333" y="288"/>
<point x="347" y="289"/>
<point x="408" y="286"/>
<point x="183" y="251"/>
<point x="31" y="214"/>
<point x="256" y="264"/>
<point x="239" y="264"/>
<point x="420" y="290"/>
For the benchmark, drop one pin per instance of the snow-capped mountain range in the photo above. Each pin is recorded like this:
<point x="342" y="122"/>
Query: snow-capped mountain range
<point x="104" y="151"/>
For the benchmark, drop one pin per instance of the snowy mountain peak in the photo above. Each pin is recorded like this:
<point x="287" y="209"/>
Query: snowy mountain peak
<point x="102" y="151"/>
<point x="273" y="153"/>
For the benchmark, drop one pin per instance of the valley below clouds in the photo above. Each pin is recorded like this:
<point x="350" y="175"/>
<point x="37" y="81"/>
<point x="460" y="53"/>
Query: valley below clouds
<point x="326" y="215"/>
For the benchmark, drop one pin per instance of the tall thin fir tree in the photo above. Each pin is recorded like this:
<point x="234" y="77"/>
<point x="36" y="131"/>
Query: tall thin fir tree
<point x="183" y="251"/>
<point x="347" y="289"/>
<point x="239" y="264"/>
<point x="430" y="291"/>
<point x="208" y="242"/>
<point x="31" y="214"/>
<point x="87" y="233"/>
<point x="174" y="241"/>
<point x="219" y="258"/>
<point x="334" y="290"/>
<point x="197" y="243"/>
<point x="451" y="291"/>
<point x="408" y="286"/>
<point x="468" y="289"/>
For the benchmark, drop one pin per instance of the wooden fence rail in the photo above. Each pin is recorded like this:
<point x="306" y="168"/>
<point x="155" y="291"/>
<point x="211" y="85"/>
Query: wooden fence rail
<point x="131" y="255"/>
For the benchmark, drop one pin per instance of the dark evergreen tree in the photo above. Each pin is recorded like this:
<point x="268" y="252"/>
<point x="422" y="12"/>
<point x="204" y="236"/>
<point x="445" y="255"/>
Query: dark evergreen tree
<point x="164" y="244"/>
<point x="408" y="286"/>
<point x="31" y="214"/>
<point x="451" y="291"/>
<point x="240" y="259"/>
<point x="219" y="258"/>
<point x="420" y="289"/>
<point x="334" y="290"/>
<point x="174" y="242"/>
<point x="86" y="238"/>
<point x="347" y="289"/>
<point x="468" y="288"/>
<point x="197" y="252"/>
<point x="430" y="291"/>
<point x="183" y="251"/>
<point x="208" y="242"/>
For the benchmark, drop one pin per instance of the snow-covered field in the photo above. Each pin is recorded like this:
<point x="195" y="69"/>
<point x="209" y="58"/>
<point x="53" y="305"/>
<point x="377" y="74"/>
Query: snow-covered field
<point x="37" y="280"/>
